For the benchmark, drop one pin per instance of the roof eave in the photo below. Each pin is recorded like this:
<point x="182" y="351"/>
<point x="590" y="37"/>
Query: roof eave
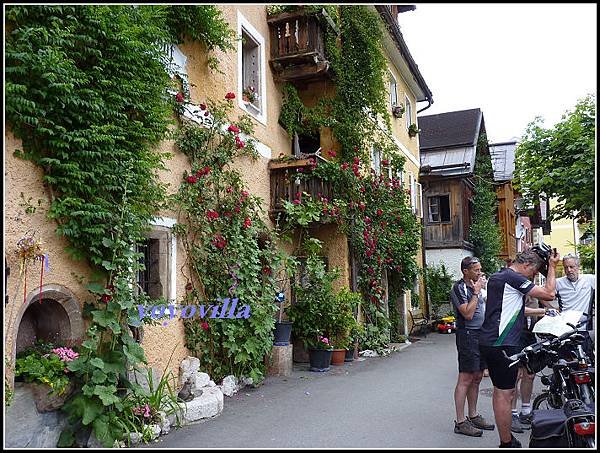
<point x="401" y="46"/>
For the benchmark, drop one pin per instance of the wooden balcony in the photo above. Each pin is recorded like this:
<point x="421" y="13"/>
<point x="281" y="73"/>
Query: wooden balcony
<point x="285" y="184"/>
<point x="297" y="46"/>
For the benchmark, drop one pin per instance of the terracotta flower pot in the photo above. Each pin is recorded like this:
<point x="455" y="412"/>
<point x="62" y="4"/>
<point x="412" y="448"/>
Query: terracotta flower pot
<point x="337" y="358"/>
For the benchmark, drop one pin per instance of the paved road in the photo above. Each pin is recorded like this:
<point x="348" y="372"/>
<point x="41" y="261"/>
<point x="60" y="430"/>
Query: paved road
<point x="404" y="400"/>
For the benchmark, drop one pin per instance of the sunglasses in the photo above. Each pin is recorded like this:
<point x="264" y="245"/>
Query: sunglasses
<point x="470" y="262"/>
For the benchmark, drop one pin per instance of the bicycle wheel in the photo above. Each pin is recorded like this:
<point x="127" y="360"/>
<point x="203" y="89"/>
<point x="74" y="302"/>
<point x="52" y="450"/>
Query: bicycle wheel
<point x="547" y="400"/>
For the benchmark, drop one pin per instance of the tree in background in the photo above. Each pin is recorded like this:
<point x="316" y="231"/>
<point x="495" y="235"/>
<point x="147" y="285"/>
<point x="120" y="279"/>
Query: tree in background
<point x="559" y="162"/>
<point x="439" y="284"/>
<point x="485" y="232"/>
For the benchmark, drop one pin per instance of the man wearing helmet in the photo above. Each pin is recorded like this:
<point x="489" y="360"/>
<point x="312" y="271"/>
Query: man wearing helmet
<point x="504" y="323"/>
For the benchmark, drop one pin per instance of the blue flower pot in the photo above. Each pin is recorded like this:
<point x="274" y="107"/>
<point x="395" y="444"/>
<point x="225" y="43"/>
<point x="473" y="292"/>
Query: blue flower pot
<point x="320" y="359"/>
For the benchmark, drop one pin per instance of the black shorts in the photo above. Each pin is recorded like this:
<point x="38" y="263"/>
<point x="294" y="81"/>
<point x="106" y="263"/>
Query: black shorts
<point x="469" y="357"/>
<point x="502" y="376"/>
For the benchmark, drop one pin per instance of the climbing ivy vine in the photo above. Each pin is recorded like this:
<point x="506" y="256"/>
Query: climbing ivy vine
<point x="86" y="94"/>
<point x="485" y="233"/>
<point x="372" y="209"/>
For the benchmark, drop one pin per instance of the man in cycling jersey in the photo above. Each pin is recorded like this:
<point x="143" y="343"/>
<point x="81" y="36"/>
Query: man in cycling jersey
<point x="503" y="325"/>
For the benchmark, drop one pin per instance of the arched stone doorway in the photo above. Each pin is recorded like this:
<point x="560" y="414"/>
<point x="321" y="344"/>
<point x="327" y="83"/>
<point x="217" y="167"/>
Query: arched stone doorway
<point x="57" y="319"/>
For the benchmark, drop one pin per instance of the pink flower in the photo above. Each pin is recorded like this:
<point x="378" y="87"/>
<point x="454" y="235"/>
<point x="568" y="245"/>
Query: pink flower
<point x="379" y="212"/>
<point x="204" y="325"/>
<point x="247" y="222"/>
<point x="332" y="153"/>
<point x="229" y="96"/>
<point x="239" y="143"/>
<point x="296" y="201"/>
<point x="233" y="128"/>
<point x="229" y="189"/>
<point x="65" y="354"/>
<point x="179" y="97"/>
<point x="192" y="179"/>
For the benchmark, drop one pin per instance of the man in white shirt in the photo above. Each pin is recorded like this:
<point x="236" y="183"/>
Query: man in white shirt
<point x="576" y="292"/>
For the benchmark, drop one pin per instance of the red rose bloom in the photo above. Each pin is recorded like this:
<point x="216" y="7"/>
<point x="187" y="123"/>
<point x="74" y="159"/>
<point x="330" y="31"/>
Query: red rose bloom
<point x="106" y="298"/>
<point x="179" y="97"/>
<point x="379" y="212"/>
<point x="233" y="128"/>
<point x="247" y="222"/>
<point x="202" y="106"/>
<point x="229" y="96"/>
<point x="212" y="215"/>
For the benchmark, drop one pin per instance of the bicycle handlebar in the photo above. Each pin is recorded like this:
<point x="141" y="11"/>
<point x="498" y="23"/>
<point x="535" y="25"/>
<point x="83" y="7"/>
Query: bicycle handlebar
<point x="544" y="344"/>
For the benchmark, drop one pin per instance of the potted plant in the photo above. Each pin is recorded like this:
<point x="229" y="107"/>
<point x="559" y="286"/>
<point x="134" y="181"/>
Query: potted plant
<point x="48" y="375"/>
<point x="320" y="354"/>
<point x="314" y="307"/>
<point x="249" y="94"/>
<point x="413" y="130"/>
<point x="283" y="328"/>
<point x="343" y="323"/>
<point x="398" y="111"/>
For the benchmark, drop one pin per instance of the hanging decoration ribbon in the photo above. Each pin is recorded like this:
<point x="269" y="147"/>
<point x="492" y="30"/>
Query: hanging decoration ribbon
<point x="29" y="249"/>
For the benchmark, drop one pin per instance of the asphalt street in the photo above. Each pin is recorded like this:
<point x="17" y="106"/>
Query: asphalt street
<point x="404" y="400"/>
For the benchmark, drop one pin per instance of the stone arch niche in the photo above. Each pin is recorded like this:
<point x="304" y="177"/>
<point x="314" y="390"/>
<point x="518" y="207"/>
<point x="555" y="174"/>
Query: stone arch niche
<point x="57" y="319"/>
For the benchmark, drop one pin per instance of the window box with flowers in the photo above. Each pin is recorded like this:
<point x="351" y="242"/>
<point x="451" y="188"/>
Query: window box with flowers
<point x="249" y="95"/>
<point x="398" y="111"/>
<point x="413" y="130"/>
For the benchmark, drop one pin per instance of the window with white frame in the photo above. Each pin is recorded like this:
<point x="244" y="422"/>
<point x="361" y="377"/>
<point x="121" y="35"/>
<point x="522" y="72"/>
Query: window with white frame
<point x="415" y="195"/>
<point x="393" y="89"/>
<point x="408" y="111"/>
<point x="251" y="70"/>
<point x="376" y="160"/>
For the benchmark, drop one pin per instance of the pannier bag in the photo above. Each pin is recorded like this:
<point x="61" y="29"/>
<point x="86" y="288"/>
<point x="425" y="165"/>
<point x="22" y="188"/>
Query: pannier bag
<point x="549" y="429"/>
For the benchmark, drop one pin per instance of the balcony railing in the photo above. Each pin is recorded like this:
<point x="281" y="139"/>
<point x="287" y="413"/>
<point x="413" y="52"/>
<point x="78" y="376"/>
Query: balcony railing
<point x="285" y="184"/>
<point x="297" y="46"/>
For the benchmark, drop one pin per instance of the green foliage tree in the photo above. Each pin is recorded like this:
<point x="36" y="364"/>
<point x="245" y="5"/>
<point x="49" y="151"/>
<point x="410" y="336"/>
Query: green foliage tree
<point x="439" y="284"/>
<point x="485" y="233"/>
<point x="560" y="162"/>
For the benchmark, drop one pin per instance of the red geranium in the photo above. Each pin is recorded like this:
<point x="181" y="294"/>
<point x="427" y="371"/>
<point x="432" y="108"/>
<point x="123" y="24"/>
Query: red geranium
<point x="229" y="96"/>
<point x="204" y="325"/>
<point x="192" y="179"/>
<point x="233" y="128"/>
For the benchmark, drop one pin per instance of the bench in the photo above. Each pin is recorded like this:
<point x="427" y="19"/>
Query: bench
<point x="418" y="323"/>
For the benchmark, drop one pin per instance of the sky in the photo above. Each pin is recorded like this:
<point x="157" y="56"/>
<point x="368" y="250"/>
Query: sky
<point x="513" y="61"/>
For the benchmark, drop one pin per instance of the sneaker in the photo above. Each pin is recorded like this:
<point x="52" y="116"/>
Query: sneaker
<point x="514" y="443"/>
<point x="525" y="420"/>
<point x="467" y="429"/>
<point x="479" y="422"/>
<point x="516" y="426"/>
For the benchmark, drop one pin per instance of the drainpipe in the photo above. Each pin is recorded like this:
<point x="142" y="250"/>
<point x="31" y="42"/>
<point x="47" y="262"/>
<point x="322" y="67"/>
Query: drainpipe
<point x="429" y="102"/>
